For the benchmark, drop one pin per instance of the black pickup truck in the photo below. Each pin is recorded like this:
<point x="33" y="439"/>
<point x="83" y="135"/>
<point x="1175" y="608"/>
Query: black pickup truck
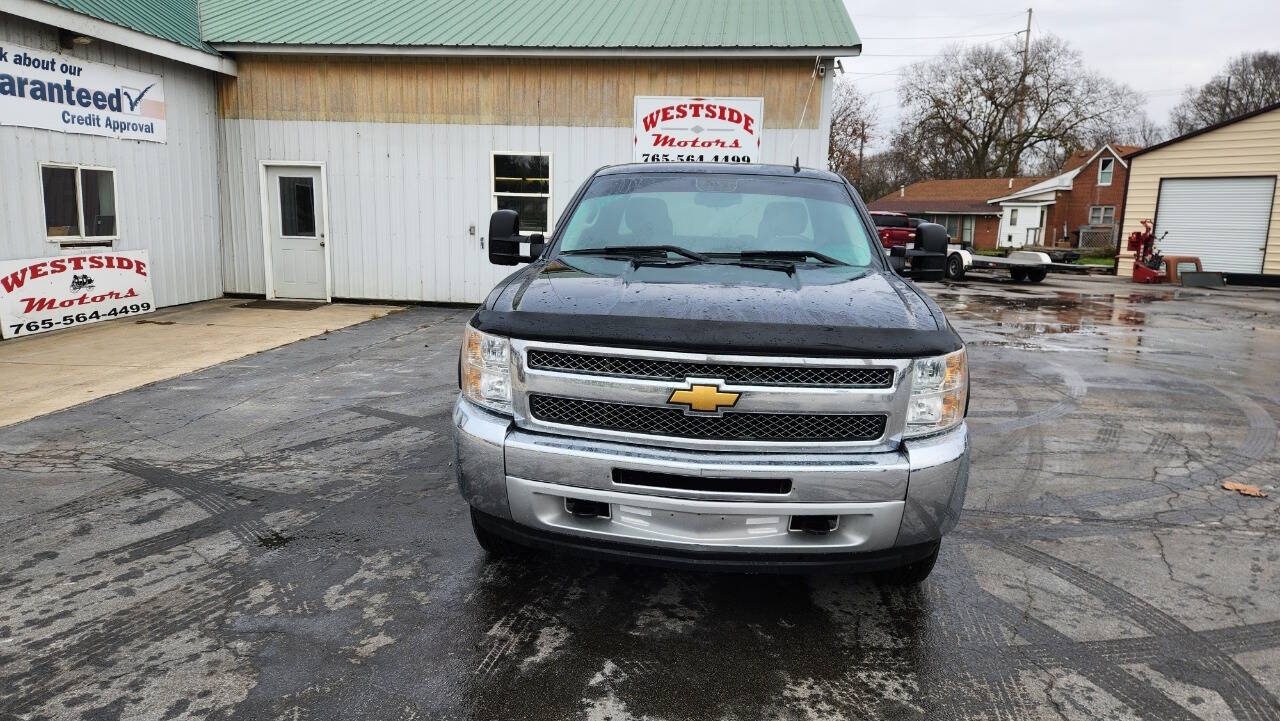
<point x="713" y="366"/>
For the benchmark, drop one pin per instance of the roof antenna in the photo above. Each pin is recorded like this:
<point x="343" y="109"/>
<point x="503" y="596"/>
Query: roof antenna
<point x="797" y="168"/>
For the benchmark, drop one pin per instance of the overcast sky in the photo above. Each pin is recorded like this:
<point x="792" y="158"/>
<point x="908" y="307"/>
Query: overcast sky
<point x="1157" y="47"/>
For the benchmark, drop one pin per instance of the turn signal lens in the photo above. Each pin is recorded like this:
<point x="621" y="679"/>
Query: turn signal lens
<point x="939" y="394"/>
<point x="486" y="370"/>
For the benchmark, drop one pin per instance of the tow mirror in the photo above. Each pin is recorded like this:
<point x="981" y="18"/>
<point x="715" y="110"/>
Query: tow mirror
<point x="926" y="261"/>
<point x="505" y="240"/>
<point x="898" y="260"/>
<point x="932" y="238"/>
<point x="930" y="259"/>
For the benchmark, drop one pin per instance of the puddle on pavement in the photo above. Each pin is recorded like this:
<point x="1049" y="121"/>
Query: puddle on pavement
<point x="274" y="540"/>
<point x="1028" y="314"/>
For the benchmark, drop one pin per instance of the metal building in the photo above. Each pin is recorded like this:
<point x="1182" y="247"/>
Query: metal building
<point x="356" y="150"/>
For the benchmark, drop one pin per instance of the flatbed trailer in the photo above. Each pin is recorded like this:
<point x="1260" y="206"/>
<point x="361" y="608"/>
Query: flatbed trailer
<point x="1023" y="265"/>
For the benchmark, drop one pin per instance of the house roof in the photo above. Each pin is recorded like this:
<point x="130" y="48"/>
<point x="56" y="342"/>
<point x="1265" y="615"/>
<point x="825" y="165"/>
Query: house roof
<point x="173" y="20"/>
<point x="1076" y="162"/>
<point x="1207" y="129"/>
<point x="794" y="27"/>
<point x="961" y="196"/>
<point x="1081" y="158"/>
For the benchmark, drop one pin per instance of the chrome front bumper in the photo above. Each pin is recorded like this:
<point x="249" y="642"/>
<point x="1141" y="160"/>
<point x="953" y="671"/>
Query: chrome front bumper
<point x="883" y="500"/>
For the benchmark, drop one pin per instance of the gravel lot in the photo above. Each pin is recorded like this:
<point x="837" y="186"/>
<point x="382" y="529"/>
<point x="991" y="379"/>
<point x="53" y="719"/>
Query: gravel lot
<point x="280" y="537"/>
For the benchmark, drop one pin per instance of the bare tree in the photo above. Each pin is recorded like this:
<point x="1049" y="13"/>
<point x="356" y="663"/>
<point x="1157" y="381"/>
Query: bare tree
<point x="1144" y="132"/>
<point x="1247" y="83"/>
<point x="961" y="109"/>
<point x="852" y="129"/>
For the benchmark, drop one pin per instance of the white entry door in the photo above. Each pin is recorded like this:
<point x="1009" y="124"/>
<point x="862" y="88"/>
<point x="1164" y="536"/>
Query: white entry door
<point x="1224" y="221"/>
<point x="295" y="230"/>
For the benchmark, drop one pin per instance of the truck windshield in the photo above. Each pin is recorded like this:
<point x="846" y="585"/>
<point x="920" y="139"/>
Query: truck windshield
<point x="720" y="214"/>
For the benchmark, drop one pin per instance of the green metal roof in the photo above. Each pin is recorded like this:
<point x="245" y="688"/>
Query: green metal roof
<point x="531" y="24"/>
<point x="174" y="20"/>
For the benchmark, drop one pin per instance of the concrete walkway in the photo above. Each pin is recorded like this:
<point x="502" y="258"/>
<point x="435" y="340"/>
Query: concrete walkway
<point x="48" y="372"/>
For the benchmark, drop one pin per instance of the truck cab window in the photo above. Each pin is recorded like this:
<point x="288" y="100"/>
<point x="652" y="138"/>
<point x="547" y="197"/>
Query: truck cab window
<point x="720" y="214"/>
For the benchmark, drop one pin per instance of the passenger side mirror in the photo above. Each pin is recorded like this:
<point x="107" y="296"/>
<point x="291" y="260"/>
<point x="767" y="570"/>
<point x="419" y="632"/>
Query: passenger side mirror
<point x="929" y="261"/>
<point x="926" y="261"/>
<point x="932" y="238"/>
<point x="505" y="240"/>
<point x="898" y="260"/>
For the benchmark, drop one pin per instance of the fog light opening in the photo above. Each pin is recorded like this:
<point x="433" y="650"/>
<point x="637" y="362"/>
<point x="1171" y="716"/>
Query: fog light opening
<point x="586" y="509"/>
<point x="814" y="525"/>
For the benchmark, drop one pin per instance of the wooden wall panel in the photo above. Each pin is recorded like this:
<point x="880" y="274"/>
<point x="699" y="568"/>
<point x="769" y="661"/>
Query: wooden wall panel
<point x="503" y="91"/>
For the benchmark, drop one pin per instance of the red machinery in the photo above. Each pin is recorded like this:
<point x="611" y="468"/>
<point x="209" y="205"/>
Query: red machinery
<point x="1149" y="266"/>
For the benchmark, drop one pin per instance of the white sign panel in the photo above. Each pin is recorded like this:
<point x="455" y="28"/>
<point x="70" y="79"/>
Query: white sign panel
<point x="708" y="130"/>
<point x="41" y="89"/>
<point x="71" y="290"/>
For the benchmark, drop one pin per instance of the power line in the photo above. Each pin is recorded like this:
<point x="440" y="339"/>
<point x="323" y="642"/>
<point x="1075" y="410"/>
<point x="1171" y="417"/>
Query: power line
<point x="942" y="17"/>
<point x="942" y="37"/>
<point x="931" y="55"/>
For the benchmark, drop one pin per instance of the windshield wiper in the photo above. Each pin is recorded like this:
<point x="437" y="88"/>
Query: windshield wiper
<point x="633" y="250"/>
<point x="791" y="255"/>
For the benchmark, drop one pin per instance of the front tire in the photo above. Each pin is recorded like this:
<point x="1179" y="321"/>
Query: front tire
<point x="1035" y="275"/>
<point x="1019" y="274"/>
<point x="955" y="267"/>
<point x="912" y="574"/>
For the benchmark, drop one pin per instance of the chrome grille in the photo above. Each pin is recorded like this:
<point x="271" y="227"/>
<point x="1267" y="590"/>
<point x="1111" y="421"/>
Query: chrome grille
<point x="770" y="375"/>
<point x="660" y="421"/>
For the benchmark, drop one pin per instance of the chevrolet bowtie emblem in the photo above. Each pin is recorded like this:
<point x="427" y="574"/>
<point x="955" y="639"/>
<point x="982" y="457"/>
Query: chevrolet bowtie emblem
<point x="704" y="398"/>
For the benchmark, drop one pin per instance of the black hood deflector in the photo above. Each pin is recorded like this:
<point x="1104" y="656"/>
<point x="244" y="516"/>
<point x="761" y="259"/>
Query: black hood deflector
<point x="703" y="336"/>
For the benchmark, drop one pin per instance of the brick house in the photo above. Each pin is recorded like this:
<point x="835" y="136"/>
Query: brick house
<point x="961" y="205"/>
<point x="1079" y="207"/>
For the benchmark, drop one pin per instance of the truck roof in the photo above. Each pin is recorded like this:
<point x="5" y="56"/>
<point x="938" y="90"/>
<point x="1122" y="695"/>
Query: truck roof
<point x="788" y="171"/>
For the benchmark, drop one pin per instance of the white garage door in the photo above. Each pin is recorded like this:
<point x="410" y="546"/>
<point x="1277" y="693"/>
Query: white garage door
<point x="1224" y="221"/>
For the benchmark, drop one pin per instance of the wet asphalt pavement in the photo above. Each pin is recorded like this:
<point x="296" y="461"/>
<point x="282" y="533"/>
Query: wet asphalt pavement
<point x="280" y="538"/>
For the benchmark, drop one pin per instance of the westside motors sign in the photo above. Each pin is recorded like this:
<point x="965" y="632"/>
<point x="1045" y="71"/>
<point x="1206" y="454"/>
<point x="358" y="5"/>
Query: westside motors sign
<point x="40" y="89"/>
<point x="710" y="130"/>
<point x="43" y="294"/>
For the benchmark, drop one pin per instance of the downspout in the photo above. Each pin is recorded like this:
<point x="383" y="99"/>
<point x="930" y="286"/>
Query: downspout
<point x="1124" y="198"/>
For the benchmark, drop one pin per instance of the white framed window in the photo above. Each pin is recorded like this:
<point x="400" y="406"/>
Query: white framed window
<point x="1106" y="169"/>
<point x="1102" y="215"/>
<point x="1013" y="216"/>
<point x="79" y="203"/>
<point x="522" y="182"/>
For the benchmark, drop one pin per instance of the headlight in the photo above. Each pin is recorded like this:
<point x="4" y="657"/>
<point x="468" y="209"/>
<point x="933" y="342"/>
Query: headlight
<point x="486" y="370"/>
<point x="939" y="393"/>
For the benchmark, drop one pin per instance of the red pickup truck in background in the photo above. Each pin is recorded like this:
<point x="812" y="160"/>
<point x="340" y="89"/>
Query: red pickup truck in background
<point x="894" y="228"/>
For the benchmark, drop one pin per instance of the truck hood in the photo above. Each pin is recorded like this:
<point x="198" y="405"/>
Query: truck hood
<point x="718" y="308"/>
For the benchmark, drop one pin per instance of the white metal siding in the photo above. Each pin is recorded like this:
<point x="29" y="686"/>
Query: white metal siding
<point x="402" y="196"/>
<point x="167" y="197"/>
<point x="1224" y="221"/>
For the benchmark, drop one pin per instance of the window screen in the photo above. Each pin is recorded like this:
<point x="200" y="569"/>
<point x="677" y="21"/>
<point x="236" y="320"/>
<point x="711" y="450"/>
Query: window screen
<point x="98" y="200"/>
<point x="523" y="183"/>
<point x="1106" y="167"/>
<point x="79" y="203"/>
<point x="60" y="216"/>
<point x="297" y="207"/>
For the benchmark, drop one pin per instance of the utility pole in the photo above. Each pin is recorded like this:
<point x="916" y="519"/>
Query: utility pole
<point x="1022" y="84"/>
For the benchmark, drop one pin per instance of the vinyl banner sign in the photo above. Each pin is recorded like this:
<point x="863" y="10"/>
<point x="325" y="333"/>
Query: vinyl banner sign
<point x="42" y="89"/>
<point x="704" y="130"/>
<point x="71" y="290"/>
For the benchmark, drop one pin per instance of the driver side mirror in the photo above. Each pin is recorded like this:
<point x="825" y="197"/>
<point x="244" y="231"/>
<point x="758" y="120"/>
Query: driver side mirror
<point x="505" y="240"/>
